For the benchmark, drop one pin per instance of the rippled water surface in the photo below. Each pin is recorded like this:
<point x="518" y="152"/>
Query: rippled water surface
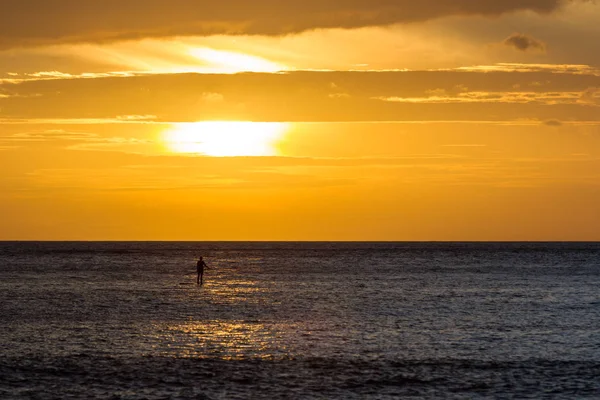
<point x="300" y="320"/>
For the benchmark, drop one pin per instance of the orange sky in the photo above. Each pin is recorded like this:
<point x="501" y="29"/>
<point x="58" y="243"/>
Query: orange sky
<point x="362" y="120"/>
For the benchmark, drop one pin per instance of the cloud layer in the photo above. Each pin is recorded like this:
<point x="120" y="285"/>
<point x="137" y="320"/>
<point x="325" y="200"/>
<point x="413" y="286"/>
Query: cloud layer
<point x="311" y="96"/>
<point x="39" y="22"/>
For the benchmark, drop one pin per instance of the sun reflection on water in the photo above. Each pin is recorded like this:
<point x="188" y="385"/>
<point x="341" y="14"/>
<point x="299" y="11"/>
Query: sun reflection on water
<point x="220" y="320"/>
<point x="226" y="340"/>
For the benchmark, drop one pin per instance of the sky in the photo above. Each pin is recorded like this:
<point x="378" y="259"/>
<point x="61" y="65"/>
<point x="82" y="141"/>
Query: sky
<point x="349" y="120"/>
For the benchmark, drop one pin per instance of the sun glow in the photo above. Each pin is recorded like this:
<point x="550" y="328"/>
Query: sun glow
<point x="232" y="62"/>
<point x="226" y="138"/>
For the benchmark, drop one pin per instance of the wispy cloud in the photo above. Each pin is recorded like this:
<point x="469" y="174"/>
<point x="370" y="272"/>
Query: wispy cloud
<point x="81" y="121"/>
<point x="74" y="140"/>
<point x="591" y="96"/>
<point x="497" y="97"/>
<point x="47" y="135"/>
<point x="15" y="78"/>
<point x="517" y="67"/>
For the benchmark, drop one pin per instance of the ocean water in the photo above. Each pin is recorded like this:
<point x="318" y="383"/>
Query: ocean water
<point x="300" y="321"/>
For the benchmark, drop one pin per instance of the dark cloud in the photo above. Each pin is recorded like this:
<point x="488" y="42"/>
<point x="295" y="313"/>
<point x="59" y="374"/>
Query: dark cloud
<point x="553" y="123"/>
<point x="523" y="42"/>
<point x="38" y="22"/>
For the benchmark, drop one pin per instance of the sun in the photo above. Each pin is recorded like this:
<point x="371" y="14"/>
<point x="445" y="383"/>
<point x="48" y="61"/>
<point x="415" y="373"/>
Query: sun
<point x="226" y="138"/>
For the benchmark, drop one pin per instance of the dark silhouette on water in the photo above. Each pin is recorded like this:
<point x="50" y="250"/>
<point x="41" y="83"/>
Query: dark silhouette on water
<point x="200" y="268"/>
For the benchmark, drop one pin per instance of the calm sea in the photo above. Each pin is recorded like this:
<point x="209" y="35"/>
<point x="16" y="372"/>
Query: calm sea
<point x="300" y="321"/>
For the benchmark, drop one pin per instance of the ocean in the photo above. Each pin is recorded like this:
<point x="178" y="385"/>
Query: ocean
<point x="124" y="320"/>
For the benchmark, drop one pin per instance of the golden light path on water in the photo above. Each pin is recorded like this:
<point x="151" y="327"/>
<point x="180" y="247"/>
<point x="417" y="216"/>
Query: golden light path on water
<point x="228" y="339"/>
<point x="226" y="138"/>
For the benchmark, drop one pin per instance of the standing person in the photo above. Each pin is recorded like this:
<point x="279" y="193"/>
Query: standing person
<point x="200" y="269"/>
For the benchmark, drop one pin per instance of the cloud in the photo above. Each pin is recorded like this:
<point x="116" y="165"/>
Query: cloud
<point x="210" y="97"/>
<point x="56" y="75"/>
<point x="74" y="140"/>
<point x="523" y="42"/>
<point x="553" y="68"/>
<point x="136" y="117"/>
<point x="43" y="22"/>
<point x="523" y="97"/>
<point x="47" y="136"/>
<point x="306" y="96"/>
<point x="553" y="123"/>
<point x="590" y="96"/>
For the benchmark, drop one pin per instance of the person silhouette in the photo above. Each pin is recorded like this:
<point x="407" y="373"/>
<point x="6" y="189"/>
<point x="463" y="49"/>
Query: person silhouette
<point x="200" y="269"/>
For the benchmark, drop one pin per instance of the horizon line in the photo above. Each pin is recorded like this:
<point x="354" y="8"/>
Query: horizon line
<point x="292" y="241"/>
